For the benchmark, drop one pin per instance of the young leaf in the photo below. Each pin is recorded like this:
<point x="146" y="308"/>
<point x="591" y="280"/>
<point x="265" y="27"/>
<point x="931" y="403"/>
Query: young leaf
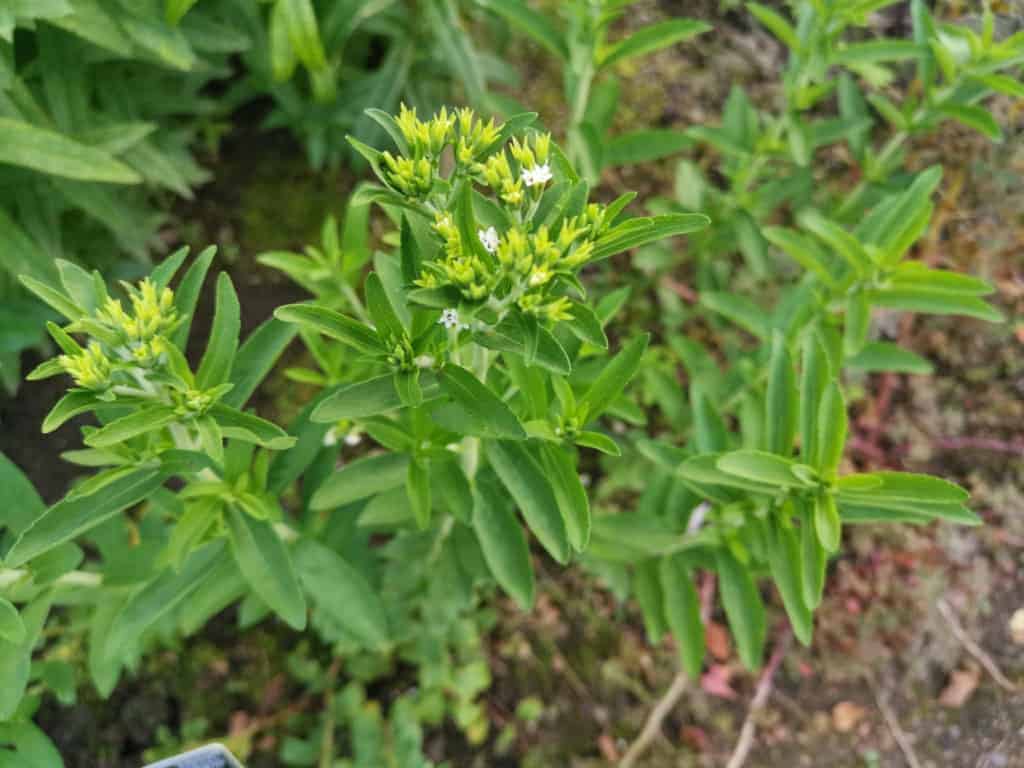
<point x="54" y="154"/>
<point x="370" y="398"/>
<point x="613" y="379"/>
<point x="417" y="488"/>
<point x="219" y="356"/>
<point x="530" y="22"/>
<point x="524" y="479"/>
<point x="149" y="418"/>
<point x="380" y="308"/>
<point x="883" y="356"/>
<point x="187" y="295"/>
<point x="743" y="607"/>
<point x="76" y="401"/>
<point x="826" y="522"/>
<point x="250" y="428"/>
<point x="503" y="543"/>
<point x="598" y="442"/>
<point x="265" y="563"/>
<point x="333" y="324"/>
<point x="361" y="479"/>
<point x="776" y="24"/>
<point x="934" y="302"/>
<point x="682" y="610"/>
<point x="12" y="628"/>
<point x="482" y="404"/>
<point x="636" y="232"/>
<point x="256" y="358"/>
<point x="813" y="379"/>
<point x="649" y="594"/>
<point x="761" y="467"/>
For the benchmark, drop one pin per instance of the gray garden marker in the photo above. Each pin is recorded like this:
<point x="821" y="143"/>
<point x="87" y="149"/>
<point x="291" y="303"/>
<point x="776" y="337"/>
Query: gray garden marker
<point x="210" y="756"/>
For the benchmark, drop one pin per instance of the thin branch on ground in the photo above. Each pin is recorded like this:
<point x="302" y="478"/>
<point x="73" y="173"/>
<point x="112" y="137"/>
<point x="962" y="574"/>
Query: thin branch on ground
<point x="993" y="444"/>
<point x="668" y="701"/>
<point x="902" y="740"/>
<point x="764" y="689"/>
<point x="973" y="648"/>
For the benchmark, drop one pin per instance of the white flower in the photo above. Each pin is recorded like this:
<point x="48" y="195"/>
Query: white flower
<point x="353" y="438"/>
<point x="539" y="175"/>
<point x="449" y="318"/>
<point x="330" y="438"/>
<point x="489" y="238"/>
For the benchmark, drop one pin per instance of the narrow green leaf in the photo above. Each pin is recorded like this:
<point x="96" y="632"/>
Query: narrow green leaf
<point x="761" y="467"/>
<point x="775" y="24"/>
<point x="532" y="23"/>
<point x="813" y="379"/>
<point x="187" y="295"/>
<point x="786" y="564"/>
<point x="503" y="543"/>
<point x="381" y="310"/>
<point x="333" y="324"/>
<point x="521" y="474"/>
<point x="342" y="592"/>
<point x="56" y="299"/>
<point x="973" y="116"/>
<point x="883" y="356"/>
<point x="266" y="565"/>
<point x="54" y="154"/>
<point x="935" y="302"/>
<point x="569" y="493"/>
<point x="827" y="523"/>
<point x="682" y="611"/>
<point x="361" y="479"/>
<point x="12" y="628"/>
<point x="75" y="402"/>
<point x="650" y="39"/>
<point x="478" y="400"/>
<point x="370" y="398"/>
<point x="832" y="428"/>
<point x="743" y="608"/>
<point x="782" y="406"/>
<point x="649" y="594"/>
<point x="636" y="232"/>
<point x="598" y="442"/>
<point x="250" y="428"/>
<point x="150" y="418"/>
<point x="814" y="559"/>
<point x="219" y="356"/>
<point x="417" y="488"/>
<point x="256" y="358"/>
<point x="613" y="379"/>
<point x="75" y="514"/>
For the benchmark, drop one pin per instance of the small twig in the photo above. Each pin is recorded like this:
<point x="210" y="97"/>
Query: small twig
<point x="668" y="701"/>
<point x="1014" y="448"/>
<point x="764" y="689"/>
<point x="894" y="726"/>
<point x="972" y="647"/>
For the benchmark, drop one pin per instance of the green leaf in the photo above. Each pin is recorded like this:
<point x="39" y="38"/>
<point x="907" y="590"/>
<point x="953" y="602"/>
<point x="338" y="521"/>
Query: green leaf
<point x="75" y="402"/>
<point x="389" y="327"/>
<point x="22" y="503"/>
<point x="503" y="543"/>
<point x="832" y="428"/>
<point x="56" y="299"/>
<point x="934" y="302"/>
<point x="265" y="563"/>
<point x="650" y="39"/>
<point x="782" y="406"/>
<point x="883" y="356"/>
<point x="775" y="24"/>
<point x="875" y="52"/>
<point x="158" y="597"/>
<point x="760" y="467"/>
<point x="612" y="380"/>
<point x="250" y="428"/>
<point x="482" y="404"/>
<point x="709" y="433"/>
<point x="530" y="22"/>
<point x="743" y="608"/>
<point x="906" y="486"/>
<point x="361" y="479"/>
<point x="187" y="295"/>
<point x="175" y="10"/>
<point x="814" y="560"/>
<point x="838" y="239"/>
<point x="914" y="274"/>
<point x="644" y="146"/>
<point x="417" y="488"/>
<point x="525" y="480"/>
<point x="784" y="560"/>
<point x="75" y="514"/>
<point x="52" y="153"/>
<point x="858" y="323"/>
<point x="738" y="310"/>
<point x="342" y="592"/>
<point x="569" y="493"/>
<point x="333" y="324"/>
<point x="256" y="358"/>
<point x="370" y="398"/>
<point x="682" y="611"/>
<point x="300" y="21"/>
<point x="586" y="326"/>
<point x="598" y="442"/>
<point x="149" y="418"/>
<point x="12" y="628"/>
<point x="640" y="231"/>
<point x="978" y="118"/>
<point x="511" y="335"/>
<point x="827" y="523"/>
<point x="649" y="594"/>
<point x="802" y="250"/>
<point x="813" y="379"/>
<point x="220" y="351"/>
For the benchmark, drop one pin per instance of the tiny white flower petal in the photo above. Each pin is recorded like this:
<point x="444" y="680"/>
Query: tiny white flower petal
<point x="489" y="238"/>
<point x="449" y="318"/>
<point x="353" y="439"/>
<point x="539" y="175"/>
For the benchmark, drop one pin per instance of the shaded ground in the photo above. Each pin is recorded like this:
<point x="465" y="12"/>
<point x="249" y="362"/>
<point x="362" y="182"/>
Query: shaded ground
<point x="879" y="634"/>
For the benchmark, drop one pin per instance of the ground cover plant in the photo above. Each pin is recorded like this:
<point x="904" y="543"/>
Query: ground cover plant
<point x="480" y="386"/>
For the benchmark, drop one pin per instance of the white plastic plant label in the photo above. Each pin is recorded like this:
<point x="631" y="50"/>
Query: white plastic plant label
<point x="210" y="756"/>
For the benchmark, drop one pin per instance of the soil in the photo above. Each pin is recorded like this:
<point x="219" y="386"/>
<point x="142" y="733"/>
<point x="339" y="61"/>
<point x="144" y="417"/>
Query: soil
<point x="880" y="638"/>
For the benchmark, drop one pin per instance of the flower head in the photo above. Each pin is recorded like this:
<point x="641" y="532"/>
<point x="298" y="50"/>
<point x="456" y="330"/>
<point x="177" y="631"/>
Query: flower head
<point x="449" y="318"/>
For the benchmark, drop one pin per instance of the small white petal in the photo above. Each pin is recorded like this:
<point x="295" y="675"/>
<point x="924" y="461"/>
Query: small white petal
<point x="489" y="238"/>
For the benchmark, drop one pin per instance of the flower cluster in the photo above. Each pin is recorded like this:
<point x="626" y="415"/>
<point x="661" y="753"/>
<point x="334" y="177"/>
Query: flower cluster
<point x="123" y="339"/>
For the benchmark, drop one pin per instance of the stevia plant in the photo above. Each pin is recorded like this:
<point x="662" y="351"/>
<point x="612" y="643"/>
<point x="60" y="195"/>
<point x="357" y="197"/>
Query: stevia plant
<point x="751" y="479"/>
<point x="479" y="372"/>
